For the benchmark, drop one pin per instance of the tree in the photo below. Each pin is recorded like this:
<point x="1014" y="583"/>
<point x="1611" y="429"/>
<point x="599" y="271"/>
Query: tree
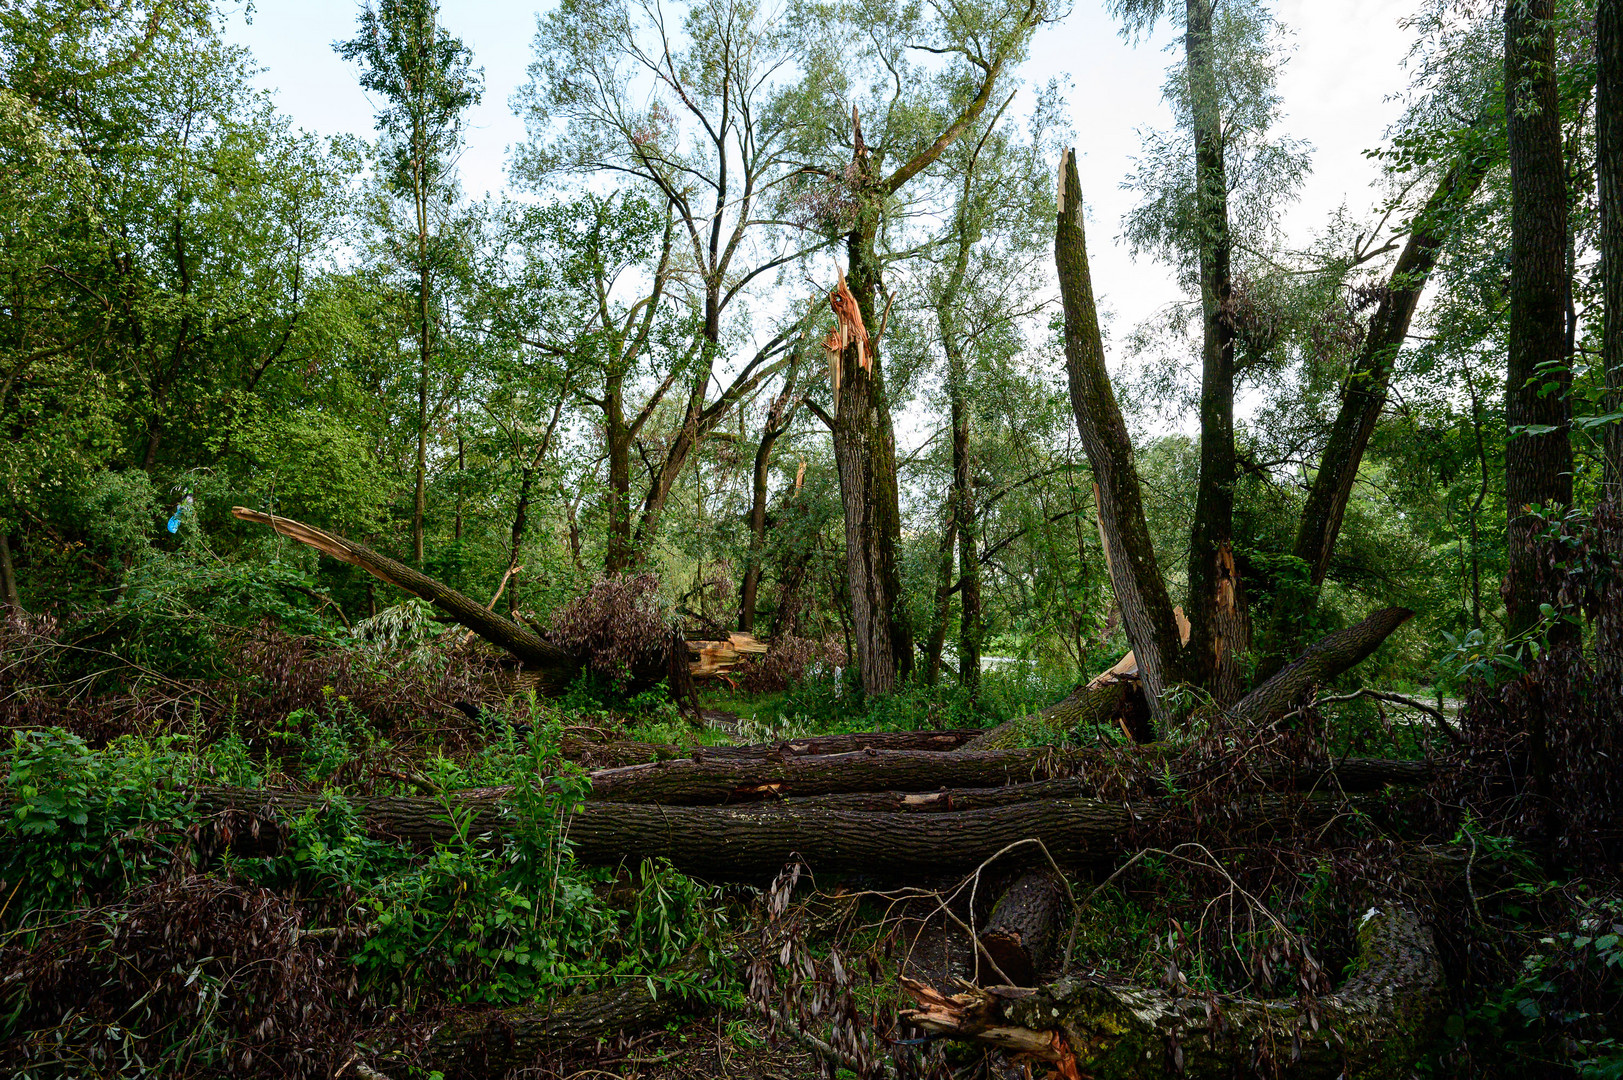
<point x="1538" y="379"/>
<point x="426" y="80"/>
<point x="867" y="48"/>
<point x="1609" y="166"/>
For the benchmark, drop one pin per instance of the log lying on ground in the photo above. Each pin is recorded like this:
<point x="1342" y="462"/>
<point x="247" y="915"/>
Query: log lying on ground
<point x="609" y="753"/>
<point x="492" y="1041"/>
<point x="1374" y="1026"/>
<point x="754" y="842"/>
<point x="1020" y="936"/>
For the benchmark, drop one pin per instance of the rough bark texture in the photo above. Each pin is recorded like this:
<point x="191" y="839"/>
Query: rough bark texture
<point x="556" y="667"/>
<point x="865" y="457"/>
<point x="1140" y="589"/>
<point x="1220" y="629"/>
<point x="600" y="754"/>
<point x="777" y="422"/>
<point x="1324" y="661"/>
<point x="1096" y="703"/>
<point x="1020" y="935"/>
<point x="1538" y="459"/>
<point x="1609" y="168"/>
<point x="754" y="842"/>
<point x="1374" y="1026"/>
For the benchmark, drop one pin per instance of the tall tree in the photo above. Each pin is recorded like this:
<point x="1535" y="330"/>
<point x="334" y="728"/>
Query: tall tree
<point x="913" y="123"/>
<point x="1538" y="456"/>
<point x="426" y="79"/>
<point x="1609" y="166"/>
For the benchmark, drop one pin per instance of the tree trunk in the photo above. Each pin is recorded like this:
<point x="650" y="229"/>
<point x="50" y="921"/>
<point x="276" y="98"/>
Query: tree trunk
<point x="1328" y="658"/>
<point x="741" y="843"/>
<point x="865" y="455"/>
<point x="1019" y="937"/>
<point x="618" y="554"/>
<point x="1609" y="167"/>
<point x="1364" y="397"/>
<point x="1538" y="453"/>
<point x="1220" y="632"/>
<point x="10" y="597"/>
<point x="1140" y="590"/>
<point x="777" y="422"/>
<point x="1375" y="1026"/>
<point x="943" y="601"/>
<point x="555" y="667"/>
<point x="970" y="621"/>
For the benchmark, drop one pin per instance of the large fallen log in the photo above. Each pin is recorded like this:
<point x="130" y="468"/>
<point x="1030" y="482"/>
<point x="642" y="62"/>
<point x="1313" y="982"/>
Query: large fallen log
<point x="753" y="842"/>
<point x="1021" y="934"/>
<point x="608" y="753"/>
<point x="1374" y="1026"/>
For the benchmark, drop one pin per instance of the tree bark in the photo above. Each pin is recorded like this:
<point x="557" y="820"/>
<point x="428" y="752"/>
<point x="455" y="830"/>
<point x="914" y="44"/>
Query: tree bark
<point x="1220" y="630"/>
<point x="1019" y="937"/>
<point x="1328" y="658"/>
<point x="1538" y="410"/>
<point x="1374" y="1026"/>
<point x="741" y="843"/>
<point x="970" y="622"/>
<point x="1140" y="589"/>
<point x="555" y="666"/>
<point x="1364" y="396"/>
<point x="942" y="614"/>
<point x="1609" y="167"/>
<point x="865" y="455"/>
<point x="777" y="422"/>
<point x="10" y="597"/>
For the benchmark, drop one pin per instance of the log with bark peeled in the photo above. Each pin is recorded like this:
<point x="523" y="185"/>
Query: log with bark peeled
<point x="1374" y="1026"/>
<point x="1020" y="936"/>
<point x="555" y="666"/>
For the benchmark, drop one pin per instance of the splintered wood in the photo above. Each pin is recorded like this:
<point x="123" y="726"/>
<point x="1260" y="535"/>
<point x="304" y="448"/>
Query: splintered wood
<point x="847" y="328"/>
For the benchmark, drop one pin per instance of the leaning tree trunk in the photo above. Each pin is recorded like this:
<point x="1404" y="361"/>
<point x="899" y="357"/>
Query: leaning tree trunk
<point x="1609" y="167"/>
<point x="1140" y="590"/>
<point x="1375" y="1026"/>
<point x="1364" y="396"/>
<point x="556" y="667"/>
<point x="1538" y="411"/>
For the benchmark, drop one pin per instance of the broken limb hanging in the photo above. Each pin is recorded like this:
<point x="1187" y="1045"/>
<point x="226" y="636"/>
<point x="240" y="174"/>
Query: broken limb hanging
<point x="1371" y="1027"/>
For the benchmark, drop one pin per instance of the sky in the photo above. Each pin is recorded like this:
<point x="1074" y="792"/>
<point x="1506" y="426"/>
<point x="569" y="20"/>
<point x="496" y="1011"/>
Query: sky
<point x="1338" y="88"/>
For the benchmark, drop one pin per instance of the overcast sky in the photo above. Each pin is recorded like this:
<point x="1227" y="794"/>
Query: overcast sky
<point x="1344" y="68"/>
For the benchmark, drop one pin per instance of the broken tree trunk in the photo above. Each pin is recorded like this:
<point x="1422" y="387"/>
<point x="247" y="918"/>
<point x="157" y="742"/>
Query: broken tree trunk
<point x="1019" y="937"/>
<point x="753" y="842"/>
<point x="556" y="667"/>
<point x="1374" y="1026"/>
<point x="1322" y="662"/>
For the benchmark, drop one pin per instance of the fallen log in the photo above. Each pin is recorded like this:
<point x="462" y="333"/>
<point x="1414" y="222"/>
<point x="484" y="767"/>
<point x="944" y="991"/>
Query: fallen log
<point x="608" y="753"/>
<point x="1374" y="1026"/>
<point x="1019" y="937"/>
<point x="753" y="842"/>
<point x="1322" y="662"/>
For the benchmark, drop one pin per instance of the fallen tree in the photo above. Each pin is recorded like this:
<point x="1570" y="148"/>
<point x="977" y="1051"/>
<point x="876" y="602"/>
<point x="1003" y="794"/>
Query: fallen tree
<point x="753" y="842"/>
<point x="1373" y="1026"/>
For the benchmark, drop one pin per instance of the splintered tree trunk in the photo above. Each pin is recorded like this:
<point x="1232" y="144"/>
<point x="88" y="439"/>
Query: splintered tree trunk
<point x="1609" y="166"/>
<point x="1140" y="590"/>
<point x="865" y="455"/>
<point x="1220" y="631"/>
<point x="1365" y="394"/>
<point x="1538" y="411"/>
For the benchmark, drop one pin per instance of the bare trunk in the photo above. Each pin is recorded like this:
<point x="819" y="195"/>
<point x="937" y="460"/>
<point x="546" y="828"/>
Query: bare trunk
<point x="1220" y="631"/>
<point x="618" y="554"/>
<point x="1538" y="411"/>
<point x="970" y="620"/>
<point x="1140" y="590"/>
<point x="10" y="597"/>
<point x="1609" y="166"/>
<point x="865" y="455"/>
<point x="943" y="605"/>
